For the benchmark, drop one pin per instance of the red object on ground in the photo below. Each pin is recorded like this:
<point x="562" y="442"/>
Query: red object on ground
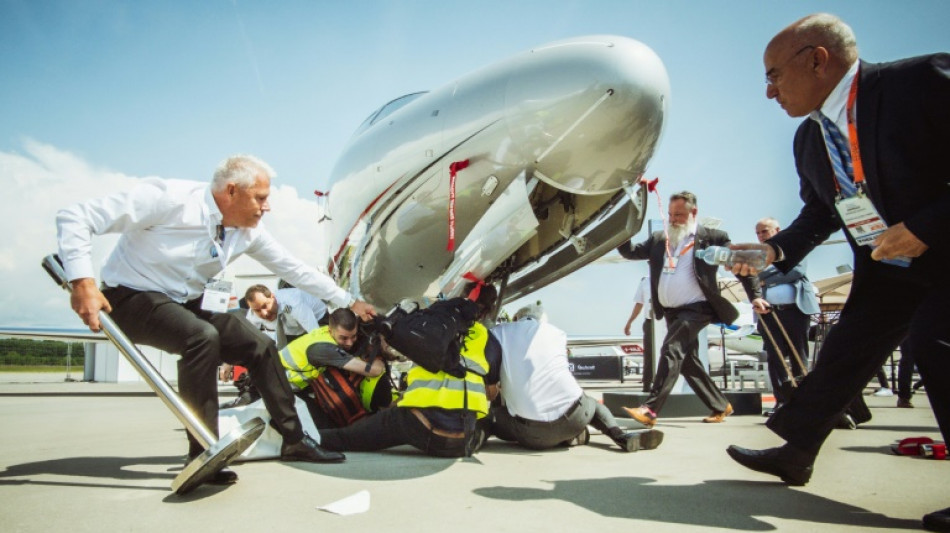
<point x="236" y="373"/>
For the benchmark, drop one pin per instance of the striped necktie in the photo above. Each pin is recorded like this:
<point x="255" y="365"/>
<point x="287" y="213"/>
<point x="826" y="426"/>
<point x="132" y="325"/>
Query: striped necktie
<point x="840" y="156"/>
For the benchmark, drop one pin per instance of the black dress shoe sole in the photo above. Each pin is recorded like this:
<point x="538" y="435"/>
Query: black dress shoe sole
<point x="937" y="520"/>
<point x="798" y="479"/>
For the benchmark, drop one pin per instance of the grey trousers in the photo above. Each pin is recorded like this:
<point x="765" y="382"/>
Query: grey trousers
<point x="543" y="435"/>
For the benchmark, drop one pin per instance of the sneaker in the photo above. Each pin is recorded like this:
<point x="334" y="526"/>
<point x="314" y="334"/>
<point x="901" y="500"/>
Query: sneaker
<point x="904" y="404"/>
<point x="643" y="415"/>
<point x="883" y="392"/>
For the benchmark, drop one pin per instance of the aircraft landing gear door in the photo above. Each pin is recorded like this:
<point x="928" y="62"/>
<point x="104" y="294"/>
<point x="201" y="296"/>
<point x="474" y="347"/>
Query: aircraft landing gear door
<point x="218" y="452"/>
<point x="507" y="224"/>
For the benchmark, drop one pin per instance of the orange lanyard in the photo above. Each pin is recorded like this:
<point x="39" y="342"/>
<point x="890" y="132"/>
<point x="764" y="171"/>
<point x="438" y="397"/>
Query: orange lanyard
<point x="685" y="249"/>
<point x="853" y="134"/>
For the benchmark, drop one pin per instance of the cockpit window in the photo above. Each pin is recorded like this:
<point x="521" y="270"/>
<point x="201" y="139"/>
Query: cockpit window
<point x="386" y="110"/>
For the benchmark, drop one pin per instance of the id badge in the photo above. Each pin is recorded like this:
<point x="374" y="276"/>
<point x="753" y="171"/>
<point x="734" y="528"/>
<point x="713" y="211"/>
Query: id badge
<point x="669" y="266"/>
<point x="216" y="297"/>
<point x="864" y="223"/>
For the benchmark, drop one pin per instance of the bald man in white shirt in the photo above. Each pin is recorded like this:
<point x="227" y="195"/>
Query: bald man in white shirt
<point x="177" y="238"/>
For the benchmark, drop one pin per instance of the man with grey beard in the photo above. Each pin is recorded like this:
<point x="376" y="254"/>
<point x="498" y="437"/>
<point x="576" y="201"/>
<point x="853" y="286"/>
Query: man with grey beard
<point x="685" y="292"/>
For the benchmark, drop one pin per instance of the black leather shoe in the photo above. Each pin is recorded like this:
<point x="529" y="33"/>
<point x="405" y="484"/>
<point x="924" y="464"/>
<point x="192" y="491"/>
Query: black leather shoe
<point x="638" y="440"/>
<point x="846" y="421"/>
<point x="225" y="476"/>
<point x="937" y="520"/>
<point x="308" y="450"/>
<point x="793" y="467"/>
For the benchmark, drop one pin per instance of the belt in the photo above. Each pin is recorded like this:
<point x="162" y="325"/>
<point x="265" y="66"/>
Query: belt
<point x="569" y="412"/>
<point x="436" y="431"/>
<point x="782" y="307"/>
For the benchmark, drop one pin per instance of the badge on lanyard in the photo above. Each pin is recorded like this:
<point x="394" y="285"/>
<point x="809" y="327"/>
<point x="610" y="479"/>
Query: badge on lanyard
<point x="864" y="223"/>
<point x="669" y="267"/>
<point x="217" y="296"/>
<point x="859" y="215"/>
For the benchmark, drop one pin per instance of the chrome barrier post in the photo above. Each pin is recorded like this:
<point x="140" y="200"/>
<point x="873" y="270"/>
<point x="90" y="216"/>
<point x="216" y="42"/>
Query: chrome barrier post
<point x="218" y="452"/>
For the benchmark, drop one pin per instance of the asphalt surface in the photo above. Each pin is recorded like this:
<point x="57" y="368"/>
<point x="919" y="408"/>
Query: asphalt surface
<point x="77" y="457"/>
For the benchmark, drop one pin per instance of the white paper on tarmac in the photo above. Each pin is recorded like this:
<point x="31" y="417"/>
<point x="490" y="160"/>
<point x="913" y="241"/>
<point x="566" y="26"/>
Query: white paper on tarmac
<point x="357" y="503"/>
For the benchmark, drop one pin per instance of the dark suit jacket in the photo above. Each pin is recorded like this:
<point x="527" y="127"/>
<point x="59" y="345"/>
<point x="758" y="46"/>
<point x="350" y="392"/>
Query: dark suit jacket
<point x="654" y="249"/>
<point x="903" y="121"/>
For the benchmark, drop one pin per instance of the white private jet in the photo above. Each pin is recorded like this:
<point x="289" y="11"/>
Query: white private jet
<point x="520" y="173"/>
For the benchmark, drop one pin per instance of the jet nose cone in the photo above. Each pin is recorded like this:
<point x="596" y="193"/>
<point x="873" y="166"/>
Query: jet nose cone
<point x="593" y="123"/>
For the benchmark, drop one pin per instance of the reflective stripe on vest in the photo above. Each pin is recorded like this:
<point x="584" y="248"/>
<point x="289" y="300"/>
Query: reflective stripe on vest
<point x="294" y="357"/>
<point x="427" y="389"/>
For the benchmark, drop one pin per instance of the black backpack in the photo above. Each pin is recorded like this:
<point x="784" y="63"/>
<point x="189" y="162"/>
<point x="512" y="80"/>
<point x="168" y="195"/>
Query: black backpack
<point x="432" y="337"/>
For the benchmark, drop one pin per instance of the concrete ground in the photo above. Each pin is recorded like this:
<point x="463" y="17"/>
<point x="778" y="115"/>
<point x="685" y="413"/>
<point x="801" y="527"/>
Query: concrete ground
<point x="78" y="457"/>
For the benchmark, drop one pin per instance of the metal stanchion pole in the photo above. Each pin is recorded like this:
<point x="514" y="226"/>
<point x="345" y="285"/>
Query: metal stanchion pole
<point x="218" y="452"/>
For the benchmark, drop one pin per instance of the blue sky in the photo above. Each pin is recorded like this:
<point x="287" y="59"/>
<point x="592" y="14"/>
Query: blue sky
<point x="98" y="93"/>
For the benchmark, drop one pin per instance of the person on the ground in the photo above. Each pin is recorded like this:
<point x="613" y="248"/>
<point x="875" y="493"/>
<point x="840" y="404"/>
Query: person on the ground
<point x="686" y="293"/>
<point x="437" y="412"/>
<point x="283" y="315"/>
<point x="542" y="405"/>
<point x="339" y="344"/>
<point x="870" y="160"/>
<point x="163" y="285"/>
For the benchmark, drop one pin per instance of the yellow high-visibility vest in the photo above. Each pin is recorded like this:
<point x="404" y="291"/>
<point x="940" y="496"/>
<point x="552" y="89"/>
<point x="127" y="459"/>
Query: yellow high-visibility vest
<point x="294" y="357"/>
<point x="427" y="389"/>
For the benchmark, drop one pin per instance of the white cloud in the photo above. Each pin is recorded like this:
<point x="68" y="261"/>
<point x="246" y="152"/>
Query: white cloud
<point x="44" y="179"/>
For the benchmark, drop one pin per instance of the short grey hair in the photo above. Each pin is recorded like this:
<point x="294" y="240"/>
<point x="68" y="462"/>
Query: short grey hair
<point x="241" y="170"/>
<point x="830" y="32"/>
<point x="534" y="311"/>
<point x="686" y="196"/>
<point x="768" y="221"/>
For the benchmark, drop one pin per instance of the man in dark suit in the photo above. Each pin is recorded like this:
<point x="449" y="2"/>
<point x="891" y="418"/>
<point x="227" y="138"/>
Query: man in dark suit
<point x="788" y="298"/>
<point x="685" y="292"/>
<point x="895" y="120"/>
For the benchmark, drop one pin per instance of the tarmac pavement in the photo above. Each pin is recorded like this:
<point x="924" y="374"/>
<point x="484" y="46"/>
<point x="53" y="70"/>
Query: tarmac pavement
<point x="77" y="457"/>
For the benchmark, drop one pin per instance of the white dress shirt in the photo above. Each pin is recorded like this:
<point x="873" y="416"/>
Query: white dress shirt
<point x="300" y="311"/>
<point x="680" y="288"/>
<point x="167" y="245"/>
<point x="536" y="382"/>
<point x="835" y="106"/>
<point x="643" y="295"/>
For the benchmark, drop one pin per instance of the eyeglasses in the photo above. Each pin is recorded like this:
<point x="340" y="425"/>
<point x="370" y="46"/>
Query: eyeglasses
<point x="772" y="75"/>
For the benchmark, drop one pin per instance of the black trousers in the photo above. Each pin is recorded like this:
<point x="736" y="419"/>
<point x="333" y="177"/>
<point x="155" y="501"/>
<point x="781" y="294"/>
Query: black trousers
<point x="879" y="314"/>
<point x="390" y="427"/>
<point x="204" y="340"/>
<point x="647" y="354"/>
<point x="680" y="355"/>
<point x="905" y="374"/>
<point x="796" y="325"/>
<point x="539" y="435"/>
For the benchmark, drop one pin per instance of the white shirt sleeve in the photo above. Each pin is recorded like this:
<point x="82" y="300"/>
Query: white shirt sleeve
<point x="306" y="309"/>
<point x="275" y="257"/>
<point x="642" y="296"/>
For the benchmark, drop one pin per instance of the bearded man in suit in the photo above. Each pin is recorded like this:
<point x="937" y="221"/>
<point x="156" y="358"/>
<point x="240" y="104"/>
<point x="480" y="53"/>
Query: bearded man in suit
<point x="685" y="292"/>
